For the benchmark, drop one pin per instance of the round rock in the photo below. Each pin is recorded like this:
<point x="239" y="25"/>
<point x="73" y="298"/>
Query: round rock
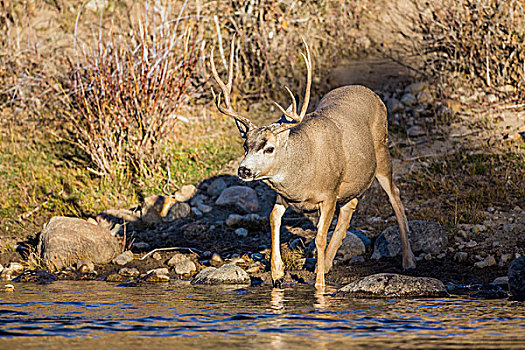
<point x="226" y="274"/>
<point x="64" y="240"/>
<point x="394" y="285"/>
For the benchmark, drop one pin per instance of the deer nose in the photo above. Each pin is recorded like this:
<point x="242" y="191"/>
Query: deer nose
<point x="244" y="172"/>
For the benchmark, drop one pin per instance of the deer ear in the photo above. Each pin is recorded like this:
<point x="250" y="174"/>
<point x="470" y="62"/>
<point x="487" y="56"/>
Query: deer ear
<point x="243" y="129"/>
<point x="282" y="137"/>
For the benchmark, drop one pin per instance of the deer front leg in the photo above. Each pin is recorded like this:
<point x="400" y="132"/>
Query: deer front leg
<point x="327" y="209"/>
<point x="275" y="225"/>
<point x="345" y="215"/>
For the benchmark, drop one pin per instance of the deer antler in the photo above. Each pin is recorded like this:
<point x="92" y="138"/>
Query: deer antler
<point x="226" y="90"/>
<point x="293" y="114"/>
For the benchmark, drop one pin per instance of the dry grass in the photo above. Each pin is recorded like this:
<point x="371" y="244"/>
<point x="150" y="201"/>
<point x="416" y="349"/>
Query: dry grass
<point x="481" y="42"/>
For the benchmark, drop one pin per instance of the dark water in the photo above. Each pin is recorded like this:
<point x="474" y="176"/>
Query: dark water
<point x="97" y="314"/>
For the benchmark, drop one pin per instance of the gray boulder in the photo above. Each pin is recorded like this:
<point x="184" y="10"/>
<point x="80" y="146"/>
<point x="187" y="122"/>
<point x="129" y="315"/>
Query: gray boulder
<point x="226" y="274"/>
<point x="243" y="197"/>
<point x="517" y="279"/>
<point x="424" y="236"/>
<point x="394" y="285"/>
<point x="64" y="241"/>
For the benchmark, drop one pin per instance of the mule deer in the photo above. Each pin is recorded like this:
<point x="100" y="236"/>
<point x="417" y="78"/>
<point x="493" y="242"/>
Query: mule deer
<point x="319" y="160"/>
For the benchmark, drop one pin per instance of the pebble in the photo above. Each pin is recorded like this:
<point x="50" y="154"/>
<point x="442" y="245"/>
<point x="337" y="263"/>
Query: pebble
<point x="129" y="272"/>
<point x="185" y="193"/>
<point x="216" y="260"/>
<point x="85" y="266"/>
<point x="216" y="187"/>
<point x="424" y="97"/>
<point x="11" y="271"/>
<point x="488" y="261"/>
<point x="157" y="275"/>
<point x="177" y="258"/>
<point x="479" y="228"/>
<point x="8" y="288"/>
<point x="471" y="244"/>
<point x="196" y="211"/>
<point x="123" y="258"/>
<point x="141" y="245"/>
<point x="461" y="256"/>
<point x="416" y="131"/>
<point x="408" y="99"/>
<point x="177" y="211"/>
<point x="156" y="256"/>
<point x="241" y="232"/>
<point x="204" y="208"/>
<point x="505" y="258"/>
<point x="185" y="267"/>
<point x="414" y="88"/>
<point x="394" y="105"/>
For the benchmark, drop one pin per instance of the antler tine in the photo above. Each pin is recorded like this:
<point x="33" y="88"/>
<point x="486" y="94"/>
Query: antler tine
<point x="308" y="62"/>
<point x="293" y="115"/>
<point x="226" y="90"/>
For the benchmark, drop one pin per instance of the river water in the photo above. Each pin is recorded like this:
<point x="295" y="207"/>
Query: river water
<point x="89" y="314"/>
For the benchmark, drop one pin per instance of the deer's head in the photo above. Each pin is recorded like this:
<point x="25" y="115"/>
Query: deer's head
<point x="263" y="145"/>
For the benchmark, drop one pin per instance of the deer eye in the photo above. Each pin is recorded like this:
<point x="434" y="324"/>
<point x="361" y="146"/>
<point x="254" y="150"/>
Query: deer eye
<point x="269" y="150"/>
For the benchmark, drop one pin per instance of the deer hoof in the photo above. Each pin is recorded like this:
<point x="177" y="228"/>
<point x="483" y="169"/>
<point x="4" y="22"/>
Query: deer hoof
<point x="278" y="283"/>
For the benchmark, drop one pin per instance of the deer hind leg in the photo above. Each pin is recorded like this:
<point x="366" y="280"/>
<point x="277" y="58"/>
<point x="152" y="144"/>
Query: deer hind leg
<point x="345" y="215"/>
<point x="384" y="176"/>
<point x="275" y="225"/>
<point x="327" y="214"/>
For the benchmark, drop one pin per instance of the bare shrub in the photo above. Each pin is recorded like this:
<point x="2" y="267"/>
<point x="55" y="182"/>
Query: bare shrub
<point x="269" y="38"/>
<point x="481" y="40"/>
<point x="126" y="90"/>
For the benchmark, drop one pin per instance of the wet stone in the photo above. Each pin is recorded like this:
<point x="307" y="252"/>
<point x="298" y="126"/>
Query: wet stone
<point x="123" y="258"/>
<point x="129" y="272"/>
<point x="157" y="275"/>
<point x="11" y="271"/>
<point x="461" y="256"/>
<point x="226" y="274"/>
<point x="36" y="276"/>
<point x="517" y="279"/>
<point x="85" y="266"/>
<point x="394" y="285"/>
<point x="115" y="277"/>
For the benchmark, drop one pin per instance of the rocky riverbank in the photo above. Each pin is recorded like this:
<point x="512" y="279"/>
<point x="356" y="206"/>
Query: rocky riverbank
<point x="217" y="233"/>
